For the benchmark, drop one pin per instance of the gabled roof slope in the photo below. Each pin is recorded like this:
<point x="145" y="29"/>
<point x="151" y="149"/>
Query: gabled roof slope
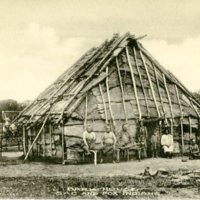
<point x="166" y="93"/>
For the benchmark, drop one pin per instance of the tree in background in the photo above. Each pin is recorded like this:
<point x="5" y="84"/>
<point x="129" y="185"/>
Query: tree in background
<point x="11" y="105"/>
<point x="197" y="95"/>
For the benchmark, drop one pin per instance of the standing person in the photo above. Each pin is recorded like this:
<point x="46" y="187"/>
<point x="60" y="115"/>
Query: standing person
<point x="155" y="142"/>
<point x="142" y="138"/>
<point x="167" y="143"/>
<point x="89" y="139"/>
<point x="109" y="143"/>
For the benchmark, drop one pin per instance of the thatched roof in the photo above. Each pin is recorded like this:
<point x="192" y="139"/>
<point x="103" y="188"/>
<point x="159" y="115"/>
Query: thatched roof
<point x="120" y="61"/>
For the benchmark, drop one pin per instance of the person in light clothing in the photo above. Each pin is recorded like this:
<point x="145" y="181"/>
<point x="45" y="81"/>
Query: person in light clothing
<point x="89" y="139"/>
<point x="167" y="143"/>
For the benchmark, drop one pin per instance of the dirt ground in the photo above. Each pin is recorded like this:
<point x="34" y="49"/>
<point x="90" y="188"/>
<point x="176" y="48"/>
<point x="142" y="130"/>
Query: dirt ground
<point x="108" y="169"/>
<point x="42" y="180"/>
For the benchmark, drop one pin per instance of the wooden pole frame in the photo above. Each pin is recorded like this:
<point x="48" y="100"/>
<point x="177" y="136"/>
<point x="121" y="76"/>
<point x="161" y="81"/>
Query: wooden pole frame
<point x="134" y="83"/>
<point x="150" y="82"/>
<point x="141" y="82"/>
<point x="122" y="90"/>
<point x="104" y="104"/>
<point x="109" y="101"/>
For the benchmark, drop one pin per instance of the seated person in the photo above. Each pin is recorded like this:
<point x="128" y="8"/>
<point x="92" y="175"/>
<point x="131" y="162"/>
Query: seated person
<point x="194" y="150"/>
<point x="125" y="140"/>
<point x="89" y="139"/>
<point x="109" y="143"/>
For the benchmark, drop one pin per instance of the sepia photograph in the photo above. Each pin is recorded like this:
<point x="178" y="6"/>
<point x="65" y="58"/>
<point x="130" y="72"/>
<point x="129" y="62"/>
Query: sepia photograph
<point x="99" y="99"/>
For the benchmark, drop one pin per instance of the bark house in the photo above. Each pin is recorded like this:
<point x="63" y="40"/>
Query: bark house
<point x="115" y="83"/>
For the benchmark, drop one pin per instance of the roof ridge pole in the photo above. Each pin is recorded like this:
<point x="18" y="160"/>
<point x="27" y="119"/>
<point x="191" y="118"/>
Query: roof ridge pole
<point x="158" y="86"/>
<point x="133" y="82"/>
<point x="151" y="86"/>
<point x="122" y="89"/>
<point x="104" y="104"/>
<point x="168" y="96"/>
<point x="108" y="93"/>
<point x="140" y="77"/>
<point x="86" y="111"/>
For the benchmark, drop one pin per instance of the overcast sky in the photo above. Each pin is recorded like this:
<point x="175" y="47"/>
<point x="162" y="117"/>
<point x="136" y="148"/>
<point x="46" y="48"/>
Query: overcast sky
<point x="41" y="39"/>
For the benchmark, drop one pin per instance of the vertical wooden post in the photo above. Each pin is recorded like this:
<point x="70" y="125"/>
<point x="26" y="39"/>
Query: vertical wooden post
<point x="151" y="85"/>
<point x="50" y="132"/>
<point x="181" y="111"/>
<point x="43" y="142"/>
<point x="134" y="83"/>
<point x="109" y="101"/>
<point x="104" y="104"/>
<point x="190" y="128"/>
<point x="63" y="143"/>
<point x="182" y="136"/>
<point x="86" y="110"/>
<point x="141" y="82"/>
<point x="24" y="140"/>
<point x="122" y="89"/>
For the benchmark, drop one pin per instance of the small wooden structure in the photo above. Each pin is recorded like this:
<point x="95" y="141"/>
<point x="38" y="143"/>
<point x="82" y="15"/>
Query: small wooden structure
<point x="115" y="83"/>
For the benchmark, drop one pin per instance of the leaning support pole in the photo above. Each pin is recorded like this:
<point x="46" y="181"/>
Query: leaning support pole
<point x="168" y="96"/>
<point x="37" y="136"/>
<point x="141" y="82"/>
<point x="104" y="104"/>
<point x="122" y="90"/>
<point x="150" y="82"/>
<point x="158" y="87"/>
<point x="109" y="101"/>
<point x="86" y="111"/>
<point x="182" y="136"/>
<point x="133" y="82"/>
<point x="63" y="144"/>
